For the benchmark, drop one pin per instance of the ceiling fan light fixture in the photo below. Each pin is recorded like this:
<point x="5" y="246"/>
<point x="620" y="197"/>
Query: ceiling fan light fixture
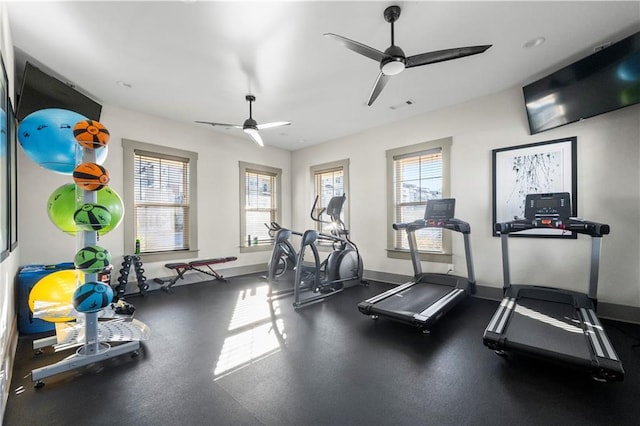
<point x="392" y="66"/>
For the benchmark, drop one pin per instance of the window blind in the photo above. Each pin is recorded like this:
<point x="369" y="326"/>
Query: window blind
<point x="260" y="204"/>
<point x="328" y="183"/>
<point x="161" y="205"/>
<point x="417" y="179"/>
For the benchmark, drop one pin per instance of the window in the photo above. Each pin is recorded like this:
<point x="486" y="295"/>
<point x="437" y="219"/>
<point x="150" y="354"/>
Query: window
<point x="416" y="174"/>
<point x="329" y="180"/>
<point x="259" y="204"/>
<point x="160" y="196"/>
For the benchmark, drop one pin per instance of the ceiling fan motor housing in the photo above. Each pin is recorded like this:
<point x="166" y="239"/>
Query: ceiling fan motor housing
<point x="250" y="123"/>
<point x="394" y="61"/>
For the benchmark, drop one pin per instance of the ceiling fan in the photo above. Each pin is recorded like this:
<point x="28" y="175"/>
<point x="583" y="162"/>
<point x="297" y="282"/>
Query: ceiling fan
<point x="250" y="126"/>
<point x="393" y="60"/>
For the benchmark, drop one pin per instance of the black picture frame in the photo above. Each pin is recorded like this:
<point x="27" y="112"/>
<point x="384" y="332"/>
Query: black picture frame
<point x="541" y="167"/>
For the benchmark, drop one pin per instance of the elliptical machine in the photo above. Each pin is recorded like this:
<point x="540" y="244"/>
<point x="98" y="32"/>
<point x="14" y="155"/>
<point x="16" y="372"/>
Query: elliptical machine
<point x="284" y="255"/>
<point x="343" y="267"/>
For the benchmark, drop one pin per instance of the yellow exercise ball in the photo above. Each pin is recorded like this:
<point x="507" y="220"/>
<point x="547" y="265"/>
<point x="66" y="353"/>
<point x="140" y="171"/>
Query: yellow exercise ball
<point x="55" y="294"/>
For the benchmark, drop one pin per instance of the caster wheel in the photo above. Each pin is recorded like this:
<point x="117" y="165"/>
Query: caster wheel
<point x="39" y="385"/>
<point x="374" y="317"/>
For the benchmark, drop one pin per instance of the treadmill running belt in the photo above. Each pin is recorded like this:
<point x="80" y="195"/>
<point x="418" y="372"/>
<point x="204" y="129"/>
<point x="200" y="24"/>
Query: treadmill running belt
<point x="413" y="300"/>
<point x="548" y="327"/>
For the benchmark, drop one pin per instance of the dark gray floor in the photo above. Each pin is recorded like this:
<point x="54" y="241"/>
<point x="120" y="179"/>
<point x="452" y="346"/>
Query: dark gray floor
<point x="324" y="364"/>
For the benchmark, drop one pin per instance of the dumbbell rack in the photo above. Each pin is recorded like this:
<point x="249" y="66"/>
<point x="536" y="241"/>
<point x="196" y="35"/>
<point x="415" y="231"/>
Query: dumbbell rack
<point x="127" y="263"/>
<point x="93" y="350"/>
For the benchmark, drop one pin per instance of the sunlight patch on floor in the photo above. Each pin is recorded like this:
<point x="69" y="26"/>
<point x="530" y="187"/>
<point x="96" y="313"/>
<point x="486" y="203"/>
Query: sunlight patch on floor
<point x="548" y="320"/>
<point x="255" y="332"/>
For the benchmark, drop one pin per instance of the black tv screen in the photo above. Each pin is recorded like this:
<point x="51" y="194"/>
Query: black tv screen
<point x="40" y="91"/>
<point x="604" y="81"/>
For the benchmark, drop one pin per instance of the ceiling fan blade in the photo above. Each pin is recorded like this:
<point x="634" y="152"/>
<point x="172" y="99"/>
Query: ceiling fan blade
<point x="377" y="88"/>
<point x="444" y="55"/>
<point x="274" y="124"/>
<point x="360" y="48"/>
<point x="256" y="137"/>
<point x="237" y="126"/>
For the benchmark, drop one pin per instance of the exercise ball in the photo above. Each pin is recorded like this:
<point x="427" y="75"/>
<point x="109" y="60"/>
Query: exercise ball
<point x="46" y="136"/>
<point x="92" y="297"/>
<point x="64" y="201"/>
<point x="56" y="291"/>
<point x="4" y="131"/>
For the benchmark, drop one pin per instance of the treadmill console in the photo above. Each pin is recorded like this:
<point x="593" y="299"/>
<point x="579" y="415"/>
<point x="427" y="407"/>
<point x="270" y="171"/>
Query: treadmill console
<point x="550" y="205"/>
<point x="439" y="211"/>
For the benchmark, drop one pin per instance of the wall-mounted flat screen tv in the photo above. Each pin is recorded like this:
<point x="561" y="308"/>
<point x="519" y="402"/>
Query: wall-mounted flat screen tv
<point x="602" y="82"/>
<point x="40" y="90"/>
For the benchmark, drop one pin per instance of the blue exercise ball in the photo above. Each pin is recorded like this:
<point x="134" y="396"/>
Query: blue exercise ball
<point x="46" y="136"/>
<point x="4" y="131"/>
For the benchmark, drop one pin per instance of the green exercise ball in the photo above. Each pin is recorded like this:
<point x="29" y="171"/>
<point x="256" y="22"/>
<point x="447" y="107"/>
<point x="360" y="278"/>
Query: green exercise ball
<point x="64" y="201"/>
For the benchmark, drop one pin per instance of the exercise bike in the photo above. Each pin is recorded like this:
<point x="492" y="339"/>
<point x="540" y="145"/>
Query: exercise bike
<point x="343" y="267"/>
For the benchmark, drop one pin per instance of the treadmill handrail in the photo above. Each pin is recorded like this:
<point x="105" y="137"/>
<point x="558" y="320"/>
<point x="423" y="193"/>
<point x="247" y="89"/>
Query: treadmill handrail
<point x="452" y="224"/>
<point x="580" y="226"/>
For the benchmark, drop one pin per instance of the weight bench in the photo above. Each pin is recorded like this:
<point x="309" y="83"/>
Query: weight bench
<point x="197" y="265"/>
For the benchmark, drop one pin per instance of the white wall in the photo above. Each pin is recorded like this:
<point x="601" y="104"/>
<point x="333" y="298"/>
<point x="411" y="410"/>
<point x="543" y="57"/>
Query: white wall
<point x="218" y="186"/>
<point x="608" y="191"/>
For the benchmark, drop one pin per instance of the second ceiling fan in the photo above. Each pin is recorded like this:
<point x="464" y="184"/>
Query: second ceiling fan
<point x="250" y="126"/>
<point x="393" y="60"/>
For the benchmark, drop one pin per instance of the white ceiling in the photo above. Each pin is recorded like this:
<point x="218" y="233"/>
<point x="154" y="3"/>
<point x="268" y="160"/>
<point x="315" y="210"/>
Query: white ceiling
<point x="196" y="60"/>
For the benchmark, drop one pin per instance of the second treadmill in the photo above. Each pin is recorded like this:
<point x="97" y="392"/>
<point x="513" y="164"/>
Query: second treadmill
<point x="550" y="322"/>
<point x="422" y="301"/>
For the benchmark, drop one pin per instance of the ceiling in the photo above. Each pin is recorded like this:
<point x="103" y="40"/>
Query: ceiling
<point x="196" y="60"/>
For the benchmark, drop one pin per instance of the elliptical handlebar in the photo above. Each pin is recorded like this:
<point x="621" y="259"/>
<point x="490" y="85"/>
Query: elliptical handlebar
<point x="273" y="227"/>
<point x="314" y="218"/>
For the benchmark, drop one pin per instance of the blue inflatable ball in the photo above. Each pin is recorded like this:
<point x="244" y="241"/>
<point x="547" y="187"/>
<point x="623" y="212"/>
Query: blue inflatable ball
<point x="4" y="131"/>
<point x="46" y="136"/>
<point x="629" y="70"/>
<point x="92" y="297"/>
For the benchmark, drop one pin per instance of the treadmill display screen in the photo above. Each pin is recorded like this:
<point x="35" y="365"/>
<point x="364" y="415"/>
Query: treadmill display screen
<point x="440" y="210"/>
<point x="554" y="204"/>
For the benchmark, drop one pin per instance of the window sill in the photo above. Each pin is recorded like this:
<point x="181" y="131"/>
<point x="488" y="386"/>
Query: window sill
<point x="168" y="255"/>
<point x="258" y="248"/>
<point x="423" y="256"/>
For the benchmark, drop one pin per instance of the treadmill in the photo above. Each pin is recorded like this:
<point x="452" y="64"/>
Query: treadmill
<point x="422" y="301"/>
<point x="548" y="322"/>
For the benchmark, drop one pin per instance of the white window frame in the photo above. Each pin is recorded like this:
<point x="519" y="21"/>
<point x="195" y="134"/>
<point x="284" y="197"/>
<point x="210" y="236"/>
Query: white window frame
<point x="130" y="147"/>
<point x="277" y="174"/>
<point x="342" y="165"/>
<point x="444" y="145"/>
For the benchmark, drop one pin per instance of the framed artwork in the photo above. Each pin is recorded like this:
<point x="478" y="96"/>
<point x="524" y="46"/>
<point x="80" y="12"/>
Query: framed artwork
<point x="5" y="126"/>
<point x="535" y="168"/>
